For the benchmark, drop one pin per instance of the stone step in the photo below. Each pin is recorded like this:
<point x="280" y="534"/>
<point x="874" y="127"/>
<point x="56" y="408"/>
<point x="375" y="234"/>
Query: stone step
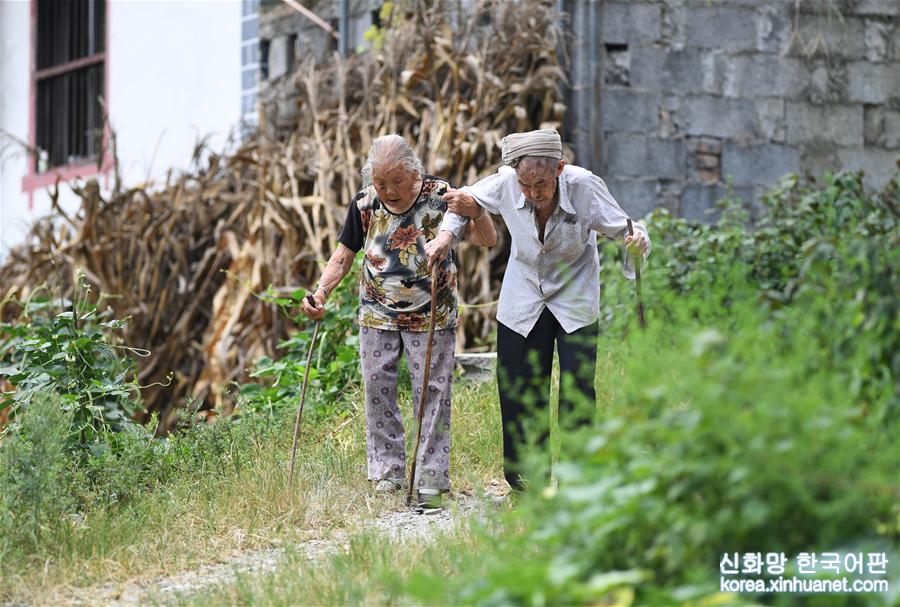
<point x="477" y="366"/>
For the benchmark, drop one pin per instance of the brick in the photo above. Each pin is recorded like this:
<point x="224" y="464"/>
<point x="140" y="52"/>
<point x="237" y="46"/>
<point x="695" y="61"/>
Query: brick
<point x="774" y="29"/>
<point x="878" y="40"/>
<point x="829" y="37"/>
<point x="717" y="27"/>
<point x="634" y="155"/>
<point x="699" y="202"/>
<point x="718" y="117"/>
<point x="631" y="22"/>
<point x="896" y="55"/>
<point x="626" y="110"/>
<point x="704" y="145"/>
<point x="758" y="164"/>
<point x="638" y="197"/>
<point x="770" y="116"/>
<point x="882" y="128"/>
<point x="763" y="76"/>
<point x="881" y="8"/>
<point x="879" y="166"/>
<point x="872" y="83"/>
<point x="705" y="159"/>
<point x="679" y="71"/>
<point x="707" y="162"/>
<point x="819" y="158"/>
<point x="669" y="121"/>
<point x="826" y="7"/>
<point x="828" y="83"/>
<point x="841" y="125"/>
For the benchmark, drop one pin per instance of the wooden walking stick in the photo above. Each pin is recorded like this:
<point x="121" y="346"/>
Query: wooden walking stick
<point x="420" y="414"/>
<point x="637" y="281"/>
<point x="312" y="345"/>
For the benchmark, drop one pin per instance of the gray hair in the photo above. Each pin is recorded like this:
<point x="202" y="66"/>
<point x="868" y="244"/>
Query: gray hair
<point x="543" y="163"/>
<point x="391" y="149"/>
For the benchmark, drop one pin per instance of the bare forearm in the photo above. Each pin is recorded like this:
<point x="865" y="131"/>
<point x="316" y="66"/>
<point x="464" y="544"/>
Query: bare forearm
<point x="338" y="266"/>
<point x="481" y="231"/>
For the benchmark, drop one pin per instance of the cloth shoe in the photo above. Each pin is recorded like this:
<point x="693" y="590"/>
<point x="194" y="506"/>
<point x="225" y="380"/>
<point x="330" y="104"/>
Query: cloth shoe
<point x="390" y="485"/>
<point x="428" y="500"/>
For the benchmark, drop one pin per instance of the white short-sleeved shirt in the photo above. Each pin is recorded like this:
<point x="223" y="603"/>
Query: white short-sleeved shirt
<point x="563" y="272"/>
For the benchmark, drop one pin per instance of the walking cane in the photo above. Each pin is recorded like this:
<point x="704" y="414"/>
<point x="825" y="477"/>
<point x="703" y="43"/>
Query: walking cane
<point x="421" y="412"/>
<point x="312" y="345"/>
<point x="637" y="280"/>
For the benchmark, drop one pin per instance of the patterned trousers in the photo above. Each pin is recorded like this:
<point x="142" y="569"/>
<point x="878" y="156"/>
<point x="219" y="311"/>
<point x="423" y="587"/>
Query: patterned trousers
<point x="380" y="351"/>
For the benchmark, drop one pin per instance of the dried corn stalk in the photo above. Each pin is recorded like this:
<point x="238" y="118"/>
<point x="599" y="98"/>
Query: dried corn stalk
<point x="270" y="213"/>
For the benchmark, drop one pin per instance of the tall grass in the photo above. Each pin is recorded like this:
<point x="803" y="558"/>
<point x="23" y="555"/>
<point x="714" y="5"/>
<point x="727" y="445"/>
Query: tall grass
<point x="229" y="492"/>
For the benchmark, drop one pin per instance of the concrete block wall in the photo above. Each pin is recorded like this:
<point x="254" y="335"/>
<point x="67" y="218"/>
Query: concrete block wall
<point x="702" y="96"/>
<point x="291" y="37"/>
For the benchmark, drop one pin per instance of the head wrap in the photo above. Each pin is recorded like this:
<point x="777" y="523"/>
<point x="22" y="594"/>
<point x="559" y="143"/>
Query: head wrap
<point x="544" y="142"/>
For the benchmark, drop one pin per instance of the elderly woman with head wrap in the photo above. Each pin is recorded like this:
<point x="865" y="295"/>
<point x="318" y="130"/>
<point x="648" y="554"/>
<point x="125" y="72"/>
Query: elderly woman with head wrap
<point x="550" y="295"/>
<point x="391" y="220"/>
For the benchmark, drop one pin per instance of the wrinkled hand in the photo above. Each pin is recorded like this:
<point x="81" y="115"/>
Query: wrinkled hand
<point x="437" y="249"/>
<point x="462" y="204"/>
<point x="637" y="243"/>
<point x="317" y="312"/>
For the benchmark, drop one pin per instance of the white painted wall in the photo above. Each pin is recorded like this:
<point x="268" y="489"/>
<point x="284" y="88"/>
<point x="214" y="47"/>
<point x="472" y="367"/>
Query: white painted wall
<point x="174" y="76"/>
<point x="14" y="23"/>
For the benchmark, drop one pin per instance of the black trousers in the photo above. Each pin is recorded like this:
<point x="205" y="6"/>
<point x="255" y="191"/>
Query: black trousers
<point x="524" y="366"/>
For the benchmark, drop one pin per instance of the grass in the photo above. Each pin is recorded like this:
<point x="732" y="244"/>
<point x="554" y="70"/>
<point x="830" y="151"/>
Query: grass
<point x="198" y="518"/>
<point x="373" y="569"/>
<point x="376" y="569"/>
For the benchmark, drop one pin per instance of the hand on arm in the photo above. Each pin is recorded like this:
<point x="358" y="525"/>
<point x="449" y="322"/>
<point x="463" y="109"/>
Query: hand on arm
<point x="480" y="229"/>
<point x="338" y="266"/>
<point x="462" y="204"/>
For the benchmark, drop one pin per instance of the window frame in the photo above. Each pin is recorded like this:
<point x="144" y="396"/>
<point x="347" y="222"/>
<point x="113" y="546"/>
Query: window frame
<point x="33" y="180"/>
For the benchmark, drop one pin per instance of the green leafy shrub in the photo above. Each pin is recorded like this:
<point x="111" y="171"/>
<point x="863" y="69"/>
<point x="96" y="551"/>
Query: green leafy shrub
<point x="836" y="244"/>
<point x="718" y="443"/>
<point x="35" y="476"/>
<point x="757" y="413"/>
<point x="335" y="361"/>
<point x="66" y="347"/>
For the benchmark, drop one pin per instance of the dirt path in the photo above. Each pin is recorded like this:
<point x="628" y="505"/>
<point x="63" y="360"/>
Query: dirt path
<point x="400" y="525"/>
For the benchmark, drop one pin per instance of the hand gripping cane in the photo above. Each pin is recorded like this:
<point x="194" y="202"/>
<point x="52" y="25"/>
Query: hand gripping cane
<point x="637" y="281"/>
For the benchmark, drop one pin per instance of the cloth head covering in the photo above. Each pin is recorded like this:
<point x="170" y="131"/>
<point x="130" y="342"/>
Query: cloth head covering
<point x="543" y="142"/>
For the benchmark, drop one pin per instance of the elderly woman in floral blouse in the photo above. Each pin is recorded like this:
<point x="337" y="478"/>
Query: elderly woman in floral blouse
<point x="391" y="220"/>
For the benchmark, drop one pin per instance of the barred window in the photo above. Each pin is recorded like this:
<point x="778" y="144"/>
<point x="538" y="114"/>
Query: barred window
<point x="70" y="58"/>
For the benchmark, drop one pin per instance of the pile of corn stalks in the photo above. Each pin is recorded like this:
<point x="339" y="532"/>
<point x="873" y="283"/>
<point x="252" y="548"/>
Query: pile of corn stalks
<point x="271" y="212"/>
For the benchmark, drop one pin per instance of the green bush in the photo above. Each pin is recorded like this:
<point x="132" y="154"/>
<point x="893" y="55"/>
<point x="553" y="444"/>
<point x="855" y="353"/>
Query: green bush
<point x="36" y="474"/>
<point x="718" y="443"/>
<point x="335" y="361"/>
<point x="836" y="245"/>
<point x="66" y="347"/>
<point x="757" y="413"/>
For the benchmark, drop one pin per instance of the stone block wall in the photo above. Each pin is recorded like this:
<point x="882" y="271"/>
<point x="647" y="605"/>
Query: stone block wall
<point x="702" y="96"/>
<point x="288" y="37"/>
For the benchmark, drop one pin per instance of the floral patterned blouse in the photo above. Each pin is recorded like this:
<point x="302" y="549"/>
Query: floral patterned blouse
<point x="395" y="283"/>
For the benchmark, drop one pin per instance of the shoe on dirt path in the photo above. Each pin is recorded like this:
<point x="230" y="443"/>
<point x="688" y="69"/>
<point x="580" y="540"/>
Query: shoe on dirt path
<point x="428" y="501"/>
